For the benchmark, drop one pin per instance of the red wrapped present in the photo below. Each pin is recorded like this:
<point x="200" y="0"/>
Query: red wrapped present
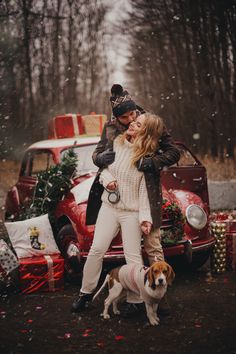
<point x="43" y="273"/>
<point x="231" y="225"/>
<point x="66" y="126"/>
<point x="231" y="251"/>
<point x="231" y="244"/>
<point x="73" y="125"/>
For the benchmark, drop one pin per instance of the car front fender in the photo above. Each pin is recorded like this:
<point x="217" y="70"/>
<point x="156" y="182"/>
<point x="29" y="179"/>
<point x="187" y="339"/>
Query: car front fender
<point x="12" y="205"/>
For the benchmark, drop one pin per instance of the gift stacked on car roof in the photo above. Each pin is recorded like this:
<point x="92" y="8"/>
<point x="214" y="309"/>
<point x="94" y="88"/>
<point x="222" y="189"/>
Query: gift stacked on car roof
<point x="73" y="125"/>
<point x="223" y="226"/>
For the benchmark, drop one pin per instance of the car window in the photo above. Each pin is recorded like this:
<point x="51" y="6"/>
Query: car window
<point x="186" y="158"/>
<point x="36" y="162"/>
<point x="85" y="162"/>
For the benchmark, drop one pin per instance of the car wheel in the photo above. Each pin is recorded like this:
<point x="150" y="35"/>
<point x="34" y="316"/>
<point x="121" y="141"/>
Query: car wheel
<point x="179" y="263"/>
<point x="199" y="259"/>
<point x="65" y="231"/>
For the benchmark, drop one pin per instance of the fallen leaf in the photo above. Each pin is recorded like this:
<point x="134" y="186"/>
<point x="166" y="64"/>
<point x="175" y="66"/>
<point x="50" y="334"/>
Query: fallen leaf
<point x="119" y="338"/>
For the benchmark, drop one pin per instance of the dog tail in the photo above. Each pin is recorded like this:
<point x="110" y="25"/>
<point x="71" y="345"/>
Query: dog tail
<point x="103" y="285"/>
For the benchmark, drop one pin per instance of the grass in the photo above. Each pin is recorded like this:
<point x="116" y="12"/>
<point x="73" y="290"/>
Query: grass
<point x="9" y="171"/>
<point x="216" y="171"/>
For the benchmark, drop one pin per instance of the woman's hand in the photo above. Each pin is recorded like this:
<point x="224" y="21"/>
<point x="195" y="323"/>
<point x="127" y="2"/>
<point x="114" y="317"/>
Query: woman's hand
<point x="112" y="186"/>
<point x="146" y="227"/>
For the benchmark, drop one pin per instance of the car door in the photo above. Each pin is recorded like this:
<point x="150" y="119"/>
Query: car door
<point x="34" y="162"/>
<point x="188" y="174"/>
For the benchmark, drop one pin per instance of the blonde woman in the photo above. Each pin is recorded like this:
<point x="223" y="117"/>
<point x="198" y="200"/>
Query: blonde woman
<point x="126" y="204"/>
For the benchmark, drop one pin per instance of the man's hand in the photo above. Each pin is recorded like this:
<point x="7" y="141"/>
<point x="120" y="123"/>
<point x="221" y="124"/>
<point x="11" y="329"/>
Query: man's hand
<point x="146" y="164"/>
<point x="105" y="158"/>
<point x="146" y="227"/>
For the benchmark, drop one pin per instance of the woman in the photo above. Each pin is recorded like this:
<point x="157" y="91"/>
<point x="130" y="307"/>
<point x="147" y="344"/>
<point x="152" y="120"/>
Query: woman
<point x="125" y="203"/>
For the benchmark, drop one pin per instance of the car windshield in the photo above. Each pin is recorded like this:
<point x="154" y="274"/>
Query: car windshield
<point x="85" y="162"/>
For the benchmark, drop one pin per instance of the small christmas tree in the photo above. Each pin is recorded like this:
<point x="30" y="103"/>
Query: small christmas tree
<point x="51" y="187"/>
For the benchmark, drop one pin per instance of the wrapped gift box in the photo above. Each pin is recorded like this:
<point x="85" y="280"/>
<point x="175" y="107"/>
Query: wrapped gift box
<point x="3" y="273"/>
<point x="231" y="225"/>
<point x="66" y="126"/>
<point x="231" y="251"/>
<point x="8" y="260"/>
<point x="74" y="125"/>
<point x="231" y="244"/>
<point x="224" y="252"/>
<point x="42" y="273"/>
<point x="94" y="123"/>
<point x="218" y="256"/>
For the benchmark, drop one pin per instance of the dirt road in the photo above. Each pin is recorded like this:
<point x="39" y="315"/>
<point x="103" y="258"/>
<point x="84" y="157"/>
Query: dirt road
<point x="203" y="321"/>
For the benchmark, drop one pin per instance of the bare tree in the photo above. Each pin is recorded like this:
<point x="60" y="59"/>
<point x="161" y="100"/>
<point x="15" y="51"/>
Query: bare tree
<point x="182" y="64"/>
<point x="52" y="61"/>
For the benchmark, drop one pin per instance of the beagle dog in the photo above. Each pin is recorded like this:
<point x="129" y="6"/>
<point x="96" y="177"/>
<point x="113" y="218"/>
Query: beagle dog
<point x="150" y="283"/>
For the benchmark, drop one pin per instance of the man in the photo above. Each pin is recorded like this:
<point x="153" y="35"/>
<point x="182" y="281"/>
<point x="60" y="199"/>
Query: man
<point x="124" y="111"/>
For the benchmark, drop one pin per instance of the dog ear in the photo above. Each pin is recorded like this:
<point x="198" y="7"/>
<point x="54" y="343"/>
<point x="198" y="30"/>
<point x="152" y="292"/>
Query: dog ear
<point x="170" y="275"/>
<point x="151" y="279"/>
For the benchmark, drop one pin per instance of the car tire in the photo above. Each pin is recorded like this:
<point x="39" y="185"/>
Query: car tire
<point x="199" y="259"/>
<point x="179" y="263"/>
<point x="65" y="235"/>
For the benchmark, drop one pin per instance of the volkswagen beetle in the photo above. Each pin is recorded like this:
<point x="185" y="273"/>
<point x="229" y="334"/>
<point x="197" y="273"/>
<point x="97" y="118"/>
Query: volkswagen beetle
<point x="185" y="222"/>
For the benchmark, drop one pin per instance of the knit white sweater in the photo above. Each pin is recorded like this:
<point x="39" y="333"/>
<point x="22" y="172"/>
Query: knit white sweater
<point x="131" y="182"/>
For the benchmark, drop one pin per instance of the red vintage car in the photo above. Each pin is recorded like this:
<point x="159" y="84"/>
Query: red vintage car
<point x="184" y="185"/>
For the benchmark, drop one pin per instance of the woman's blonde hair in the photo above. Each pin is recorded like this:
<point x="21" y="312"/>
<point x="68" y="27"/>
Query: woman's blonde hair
<point x="147" y="139"/>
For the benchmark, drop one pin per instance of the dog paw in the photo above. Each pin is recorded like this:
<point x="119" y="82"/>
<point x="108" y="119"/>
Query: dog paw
<point x="116" y="312"/>
<point x="106" y="316"/>
<point x="154" y="321"/>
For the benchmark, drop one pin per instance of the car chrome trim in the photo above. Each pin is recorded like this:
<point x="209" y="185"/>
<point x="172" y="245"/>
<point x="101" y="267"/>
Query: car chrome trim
<point x="189" y="207"/>
<point x="197" y="179"/>
<point x="65" y="142"/>
<point x="205" y="245"/>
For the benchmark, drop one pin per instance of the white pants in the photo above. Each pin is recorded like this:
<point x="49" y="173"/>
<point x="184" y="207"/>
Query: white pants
<point x="109" y="221"/>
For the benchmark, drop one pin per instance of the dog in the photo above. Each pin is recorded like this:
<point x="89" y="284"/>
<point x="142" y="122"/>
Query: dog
<point x="150" y="283"/>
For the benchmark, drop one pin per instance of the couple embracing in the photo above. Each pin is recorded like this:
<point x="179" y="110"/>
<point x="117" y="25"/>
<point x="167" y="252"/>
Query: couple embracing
<point x="126" y="195"/>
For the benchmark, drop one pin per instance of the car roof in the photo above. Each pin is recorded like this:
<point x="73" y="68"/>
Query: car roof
<point x="60" y="143"/>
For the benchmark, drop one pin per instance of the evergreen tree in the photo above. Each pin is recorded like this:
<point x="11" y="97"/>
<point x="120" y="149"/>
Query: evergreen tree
<point x="52" y="186"/>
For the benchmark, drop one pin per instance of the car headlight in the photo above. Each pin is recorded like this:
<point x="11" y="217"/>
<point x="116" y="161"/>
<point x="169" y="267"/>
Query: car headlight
<point x="196" y="216"/>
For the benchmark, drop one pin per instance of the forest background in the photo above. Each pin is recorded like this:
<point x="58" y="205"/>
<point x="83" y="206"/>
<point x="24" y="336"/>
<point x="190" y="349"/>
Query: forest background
<point x="60" y="56"/>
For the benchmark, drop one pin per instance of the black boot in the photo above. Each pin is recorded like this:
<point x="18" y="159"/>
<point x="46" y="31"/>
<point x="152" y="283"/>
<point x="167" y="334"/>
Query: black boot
<point x="81" y="303"/>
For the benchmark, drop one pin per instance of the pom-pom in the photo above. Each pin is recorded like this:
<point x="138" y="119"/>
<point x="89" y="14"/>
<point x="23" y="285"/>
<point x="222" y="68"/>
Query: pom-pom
<point x="116" y="90"/>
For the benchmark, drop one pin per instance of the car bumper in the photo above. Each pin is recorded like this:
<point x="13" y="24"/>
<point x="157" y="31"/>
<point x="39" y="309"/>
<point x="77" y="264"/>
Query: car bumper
<point x="187" y="246"/>
<point x="182" y="248"/>
<point x="111" y="256"/>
